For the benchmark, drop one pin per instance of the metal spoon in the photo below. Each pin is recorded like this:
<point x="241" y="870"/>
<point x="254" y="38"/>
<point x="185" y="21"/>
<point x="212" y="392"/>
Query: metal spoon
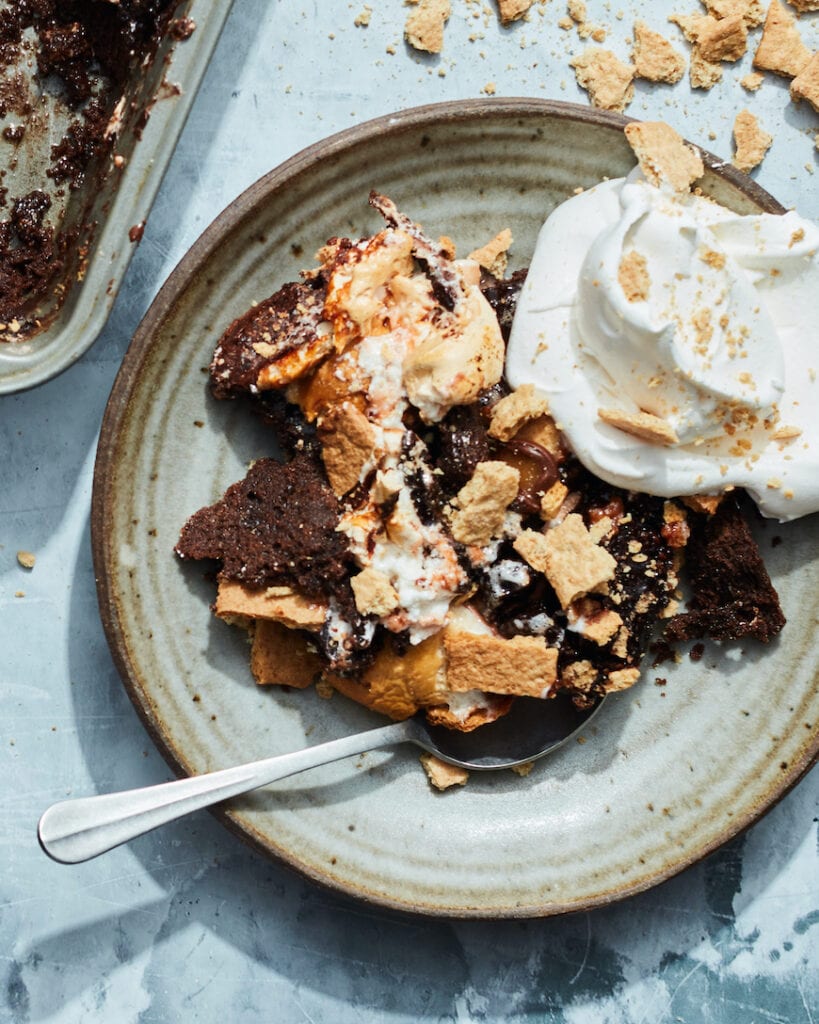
<point x="77" y="830"/>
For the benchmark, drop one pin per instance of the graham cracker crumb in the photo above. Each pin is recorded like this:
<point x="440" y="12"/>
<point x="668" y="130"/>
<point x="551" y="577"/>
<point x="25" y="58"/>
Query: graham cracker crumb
<point x="621" y="679"/>
<point x="424" y="27"/>
<point x="280" y="657"/>
<point x="781" y="48"/>
<point x="751" y="142"/>
<point x="786" y="433"/>
<point x="702" y="73"/>
<point x="707" y="503"/>
<point x="722" y="39"/>
<point x="608" y="81"/>
<point x="634" y="277"/>
<point x="484" y="501"/>
<point x="511" y="10"/>
<point x="570" y="558"/>
<point x="522" y="666"/>
<point x="523" y="769"/>
<point x="751" y="11"/>
<point x="806" y="84"/>
<point x="544" y="432"/>
<point x="515" y="409"/>
<point x="597" y="624"/>
<point x="552" y="500"/>
<point x="663" y="156"/>
<point x="579" y="675"/>
<point x="348" y="442"/>
<point x="362" y="20"/>
<point x="577" y="11"/>
<point x="640" y="424"/>
<point x="26" y="559"/>
<point x="441" y="774"/>
<point x="494" y="255"/>
<point x="373" y="592"/>
<point x="803" y="6"/>
<point x="752" y="81"/>
<point x="655" y="59"/>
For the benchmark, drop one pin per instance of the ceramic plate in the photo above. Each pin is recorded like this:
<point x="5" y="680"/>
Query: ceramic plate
<point x="667" y="772"/>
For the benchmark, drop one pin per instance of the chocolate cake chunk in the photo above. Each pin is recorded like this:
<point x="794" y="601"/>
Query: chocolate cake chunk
<point x="275" y="527"/>
<point x="733" y="596"/>
<point x="274" y="327"/>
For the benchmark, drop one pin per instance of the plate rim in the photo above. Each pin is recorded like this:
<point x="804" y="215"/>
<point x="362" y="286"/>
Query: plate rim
<point x="117" y="408"/>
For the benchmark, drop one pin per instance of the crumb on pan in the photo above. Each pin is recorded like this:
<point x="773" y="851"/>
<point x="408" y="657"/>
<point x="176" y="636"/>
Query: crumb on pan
<point x="805" y="86"/>
<point x="655" y="59"/>
<point x="26" y="559"/>
<point x="424" y="27"/>
<point x="751" y="142"/>
<point x="781" y="48"/>
<point x="608" y="80"/>
<point x="511" y="10"/>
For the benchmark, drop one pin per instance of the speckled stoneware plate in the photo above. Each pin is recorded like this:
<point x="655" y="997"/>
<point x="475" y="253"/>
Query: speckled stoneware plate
<point x="665" y="774"/>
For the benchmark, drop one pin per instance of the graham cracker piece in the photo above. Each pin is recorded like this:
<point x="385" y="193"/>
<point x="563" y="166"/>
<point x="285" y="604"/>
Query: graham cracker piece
<point x="721" y="39"/>
<point x="579" y="675"/>
<point x="441" y="774"/>
<point x="511" y="10"/>
<point x="640" y="424"/>
<point x="608" y="81"/>
<point x="280" y="657"/>
<point x="634" y="277"/>
<point x="806" y="84"/>
<point x="577" y="11"/>
<point x="348" y="442"/>
<point x="26" y="559"/>
<point x="663" y="156"/>
<point x="781" y="48"/>
<point x="752" y="81"/>
<point x="236" y="602"/>
<point x="654" y="58"/>
<point x="702" y="73"/>
<point x="552" y="500"/>
<point x="491" y="708"/>
<point x="484" y="501"/>
<point x="803" y="6"/>
<point x="705" y="503"/>
<point x="515" y="409"/>
<point x="494" y="255"/>
<point x="751" y="11"/>
<point x="596" y="623"/>
<point x="621" y="679"/>
<point x="543" y="431"/>
<point x="373" y="592"/>
<point x="424" y="27"/>
<point x="522" y="666"/>
<point x="568" y="555"/>
<point x="751" y="142"/>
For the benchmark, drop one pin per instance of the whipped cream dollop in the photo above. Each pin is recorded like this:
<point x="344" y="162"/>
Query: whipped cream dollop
<point x="676" y="343"/>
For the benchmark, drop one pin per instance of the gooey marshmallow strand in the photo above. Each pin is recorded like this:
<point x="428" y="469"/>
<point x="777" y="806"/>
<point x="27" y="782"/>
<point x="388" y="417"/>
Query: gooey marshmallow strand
<point x="726" y="333"/>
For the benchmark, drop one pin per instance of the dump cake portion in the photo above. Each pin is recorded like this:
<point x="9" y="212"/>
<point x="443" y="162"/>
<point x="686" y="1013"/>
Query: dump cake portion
<point x="429" y="540"/>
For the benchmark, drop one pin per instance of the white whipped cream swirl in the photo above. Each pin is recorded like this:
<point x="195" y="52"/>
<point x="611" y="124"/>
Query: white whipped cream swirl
<point x="643" y="301"/>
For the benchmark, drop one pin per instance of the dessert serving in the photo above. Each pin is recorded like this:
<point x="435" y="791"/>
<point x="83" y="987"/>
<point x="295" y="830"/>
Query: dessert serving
<point x="434" y="538"/>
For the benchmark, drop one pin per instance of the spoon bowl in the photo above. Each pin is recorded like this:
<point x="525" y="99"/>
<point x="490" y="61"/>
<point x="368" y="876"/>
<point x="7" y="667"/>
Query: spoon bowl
<point x="77" y="830"/>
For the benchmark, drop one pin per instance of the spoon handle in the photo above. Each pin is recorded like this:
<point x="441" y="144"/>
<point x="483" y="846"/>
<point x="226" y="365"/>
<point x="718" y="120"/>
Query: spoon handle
<point x="77" y="830"/>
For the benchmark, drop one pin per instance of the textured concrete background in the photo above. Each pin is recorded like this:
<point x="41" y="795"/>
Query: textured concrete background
<point x="187" y="925"/>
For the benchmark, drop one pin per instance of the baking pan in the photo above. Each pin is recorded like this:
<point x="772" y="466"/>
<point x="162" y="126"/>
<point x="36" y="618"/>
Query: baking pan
<point x="101" y="213"/>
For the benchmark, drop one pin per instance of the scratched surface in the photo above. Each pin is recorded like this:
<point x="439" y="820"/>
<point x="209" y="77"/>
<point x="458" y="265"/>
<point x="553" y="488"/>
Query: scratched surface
<point x="188" y="925"/>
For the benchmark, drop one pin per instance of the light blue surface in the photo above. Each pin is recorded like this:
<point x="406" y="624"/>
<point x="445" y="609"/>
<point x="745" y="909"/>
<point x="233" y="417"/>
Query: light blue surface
<point x="189" y="925"/>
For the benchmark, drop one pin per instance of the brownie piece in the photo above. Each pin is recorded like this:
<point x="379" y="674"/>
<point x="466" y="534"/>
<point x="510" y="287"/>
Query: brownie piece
<point x="275" y="527"/>
<point x="733" y="596"/>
